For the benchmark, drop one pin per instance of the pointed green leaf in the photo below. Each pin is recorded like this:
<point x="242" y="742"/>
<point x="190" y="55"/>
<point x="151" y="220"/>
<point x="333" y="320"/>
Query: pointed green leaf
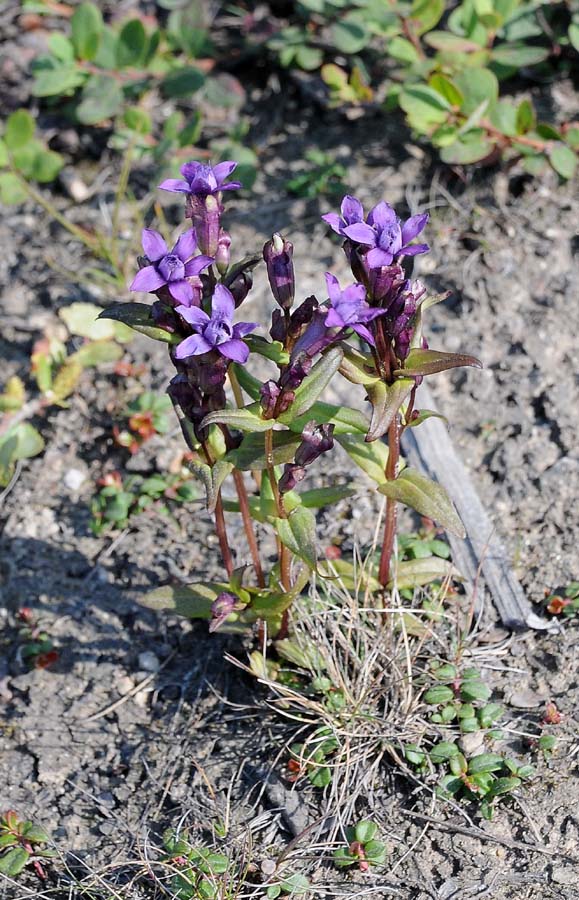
<point x="247" y="418"/>
<point x="477" y="86"/>
<point x="192" y="601"/>
<point x="251" y="452"/>
<point x="138" y="317"/>
<point x="428" y="362"/>
<point x="298" y="534"/>
<point x="358" y="367"/>
<point x="526" y="119"/>
<point x="386" y="400"/>
<point x="445" y="86"/>
<point x="269" y="349"/>
<point x="314" y="385"/>
<point x="345" y="419"/>
<point x="212" y="478"/>
<point x="13" y="862"/>
<point x="320" y="497"/>
<point x="371" y="458"/>
<point x="86" y="28"/>
<point x="519" y="54"/>
<point x="425" y="496"/>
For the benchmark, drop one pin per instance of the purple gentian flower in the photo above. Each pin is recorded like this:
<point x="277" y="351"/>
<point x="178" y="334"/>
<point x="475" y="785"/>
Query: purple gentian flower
<point x="352" y="212"/>
<point x="215" y="332"/>
<point x="387" y="236"/>
<point x="349" y="308"/>
<point x="202" y="179"/>
<point x="170" y="268"/>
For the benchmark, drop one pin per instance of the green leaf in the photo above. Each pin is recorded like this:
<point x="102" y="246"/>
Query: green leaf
<point x="574" y="35"/>
<point x="212" y="478"/>
<point x="82" y="319"/>
<point x="269" y="349"/>
<point x="345" y="419"/>
<point x="477" y="86"/>
<point x="247" y="418"/>
<point x="295" y="885"/>
<point x="426" y="14"/>
<point x="371" y="458"/>
<point x="192" y="601"/>
<point x="46" y="166"/>
<point x="386" y="400"/>
<point x="505" y="116"/>
<point x="138" y="317"/>
<point x="131" y="44"/>
<point x="440" y="693"/>
<point x="504" y="786"/>
<point x="470" y="148"/>
<point x="365" y="831"/>
<point x="304" y="654"/>
<point x="474" y="690"/>
<point x="563" y="160"/>
<point x="320" y="497"/>
<point x="87" y="28"/>
<point x="358" y="368"/>
<point x="424" y="107"/>
<point x="519" y="55"/>
<point x="426" y="497"/>
<point x="450" y="43"/>
<point x="13" y="862"/>
<point x="19" y="129"/>
<point x="485" y="762"/>
<point x="28" y="441"/>
<point x="349" y="36"/>
<point x="182" y="82"/>
<point x="53" y="78"/>
<point x="11" y="190"/>
<point x="138" y="120"/>
<point x="413" y="573"/>
<point x="308" y="58"/>
<point x="251" y="452"/>
<point x="96" y="352"/>
<point x="314" y="384"/>
<point x="298" y="534"/>
<point x="447" y="89"/>
<point x="61" y="47"/>
<point x="102" y="98"/>
<point x="443" y="751"/>
<point x="402" y="50"/>
<point x="428" y="362"/>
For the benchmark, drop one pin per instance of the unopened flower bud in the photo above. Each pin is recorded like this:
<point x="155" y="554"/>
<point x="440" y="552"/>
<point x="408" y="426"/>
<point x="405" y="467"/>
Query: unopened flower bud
<point x="295" y="373"/>
<point x="278" y="328"/>
<point x="221" y="608"/>
<point x="222" y="254"/>
<point x="205" y="212"/>
<point x="269" y="395"/>
<point x="240" y="287"/>
<point x="278" y="254"/>
<point x="292" y="475"/>
<point x="316" y="439"/>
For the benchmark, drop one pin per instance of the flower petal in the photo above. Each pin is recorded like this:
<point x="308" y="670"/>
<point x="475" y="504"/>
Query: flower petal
<point x="195" y="266"/>
<point x="194" y="345"/>
<point x="223" y="169"/>
<point x="334" y="221"/>
<point x="377" y="258"/>
<point x="413" y="249"/>
<point x="413" y="226"/>
<point x="175" y="185"/>
<point x="231" y="186"/>
<point x="190" y="170"/>
<point x="333" y="286"/>
<point x="154" y="246"/>
<point x="382" y="215"/>
<point x="368" y="315"/>
<point x="334" y="319"/>
<point x="181" y="290"/>
<point x="235" y="350"/>
<point x="148" y="280"/>
<point x="223" y="302"/>
<point x="354" y="293"/>
<point x="364" y="333"/>
<point x="352" y="210"/>
<point x="361" y="233"/>
<point x="243" y="328"/>
<point x="192" y="314"/>
<point x="186" y="245"/>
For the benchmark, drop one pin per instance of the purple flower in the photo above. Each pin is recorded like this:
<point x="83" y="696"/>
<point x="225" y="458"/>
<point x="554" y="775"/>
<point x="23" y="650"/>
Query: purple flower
<point x="316" y="439"/>
<point x="215" y="332"/>
<point x="387" y="236"/>
<point x="349" y="308"/>
<point x="221" y="608"/>
<point x="170" y="269"/>
<point x="352" y="212"/>
<point x="202" y="179"/>
<point x="278" y="254"/>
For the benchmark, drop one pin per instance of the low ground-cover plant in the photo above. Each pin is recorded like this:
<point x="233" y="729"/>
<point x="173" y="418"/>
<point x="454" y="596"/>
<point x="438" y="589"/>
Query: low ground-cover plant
<point x="370" y="332"/>
<point x="118" y="499"/>
<point x="443" y="65"/>
<point x="22" y="843"/>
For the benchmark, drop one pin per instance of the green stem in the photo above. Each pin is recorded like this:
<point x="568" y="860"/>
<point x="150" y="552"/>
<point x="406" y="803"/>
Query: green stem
<point x="284" y="553"/>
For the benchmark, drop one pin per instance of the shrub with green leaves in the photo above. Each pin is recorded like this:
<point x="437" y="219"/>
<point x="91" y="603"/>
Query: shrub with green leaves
<point x="443" y="65"/>
<point x="362" y="850"/>
<point x="22" y="843"/>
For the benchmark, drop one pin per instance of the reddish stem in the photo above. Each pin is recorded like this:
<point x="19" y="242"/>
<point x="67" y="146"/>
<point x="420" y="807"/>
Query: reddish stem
<point x="390" y="523"/>
<point x="248" y="525"/>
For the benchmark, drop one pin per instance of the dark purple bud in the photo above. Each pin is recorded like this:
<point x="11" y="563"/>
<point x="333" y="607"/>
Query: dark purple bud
<point x="385" y="284"/>
<point x="269" y="395"/>
<point x="302" y="315"/>
<point x="221" y="608"/>
<point x="316" y="439"/>
<point x="277" y="254"/>
<point x="187" y="397"/>
<point x="205" y="212"/>
<point x="285" y="401"/>
<point x="222" y="255"/>
<point x="163" y="315"/>
<point x="208" y="373"/>
<point x="292" y="475"/>
<point x="316" y="336"/>
<point x="240" y="287"/>
<point x="278" y="330"/>
<point x="295" y="373"/>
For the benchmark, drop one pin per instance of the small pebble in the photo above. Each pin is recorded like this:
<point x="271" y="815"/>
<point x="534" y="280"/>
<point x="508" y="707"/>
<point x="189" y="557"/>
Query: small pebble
<point x="526" y="699"/>
<point x="73" y="479"/>
<point x="148" y="662"/>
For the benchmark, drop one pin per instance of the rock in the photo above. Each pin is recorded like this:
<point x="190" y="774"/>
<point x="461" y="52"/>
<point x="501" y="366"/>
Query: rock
<point x="526" y="699"/>
<point x="148" y="662"/>
<point x="73" y="479"/>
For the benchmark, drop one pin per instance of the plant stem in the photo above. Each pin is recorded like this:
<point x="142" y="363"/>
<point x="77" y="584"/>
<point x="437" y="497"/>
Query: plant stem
<point x="284" y="553"/>
<point x="390" y="523"/>
<point x="248" y="525"/>
<point x="220" y="528"/>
